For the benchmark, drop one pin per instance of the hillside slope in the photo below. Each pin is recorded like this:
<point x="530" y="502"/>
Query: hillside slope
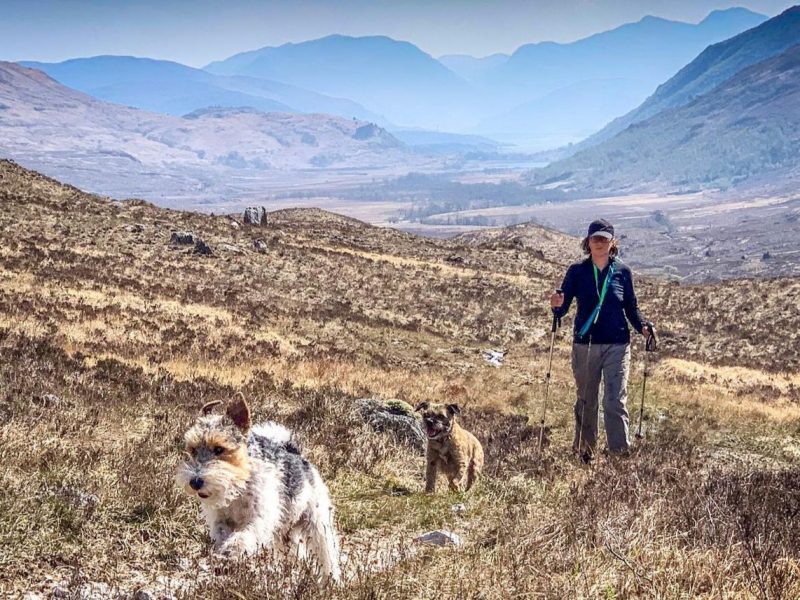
<point x="747" y="127"/>
<point x="112" y="338"/>
<point x="712" y="67"/>
<point x="115" y="149"/>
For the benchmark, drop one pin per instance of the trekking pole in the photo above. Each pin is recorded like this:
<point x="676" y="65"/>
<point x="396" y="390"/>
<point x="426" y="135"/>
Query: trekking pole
<point x="650" y="345"/>
<point x="553" y="328"/>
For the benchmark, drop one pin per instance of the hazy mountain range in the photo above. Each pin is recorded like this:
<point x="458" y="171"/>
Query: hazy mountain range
<point x="726" y="117"/>
<point x="394" y="78"/>
<point x="717" y="123"/>
<point x="175" y="89"/>
<point x="531" y="97"/>
<point x="117" y="149"/>
<point x="712" y="67"/>
<point x="542" y="85"/>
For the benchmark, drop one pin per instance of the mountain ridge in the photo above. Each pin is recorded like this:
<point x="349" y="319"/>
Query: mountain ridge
<point x="392" y="77"/>
<point x="173" y="88"/>
<point x="746" y="127"/>
<point x="710" y="68"/>
<point x="111" y="148"/>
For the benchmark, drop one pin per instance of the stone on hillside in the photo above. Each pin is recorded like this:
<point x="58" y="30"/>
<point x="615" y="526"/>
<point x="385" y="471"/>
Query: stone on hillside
<point x="181" y="238"/>
<point x="494" y="357"/>
<point x="200" y="247"/>
<point x="440" y="537"/>
<point x="400" y="407"/>
<point x="135" y="228"/>
<point x="230" y="248"/>
<point x="255" y="215"/>
<point x="235" y="224"/>
<point x="395" y="417"/>
<point x="260" y="245"/>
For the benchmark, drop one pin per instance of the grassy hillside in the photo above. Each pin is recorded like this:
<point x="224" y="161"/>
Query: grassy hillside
<point x="111" y="340"/>
<point x="748" y="127"/>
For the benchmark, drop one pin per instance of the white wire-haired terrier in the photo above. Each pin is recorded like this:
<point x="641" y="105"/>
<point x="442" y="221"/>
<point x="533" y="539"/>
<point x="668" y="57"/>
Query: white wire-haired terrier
<point x="256" y="489"/>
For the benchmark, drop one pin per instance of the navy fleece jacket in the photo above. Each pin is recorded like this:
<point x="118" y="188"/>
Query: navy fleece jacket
<point x="620" y="301"/>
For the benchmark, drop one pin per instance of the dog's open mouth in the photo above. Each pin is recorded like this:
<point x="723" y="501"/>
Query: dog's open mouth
<point x="203" y="495"/>
<point x="432" y="432"/>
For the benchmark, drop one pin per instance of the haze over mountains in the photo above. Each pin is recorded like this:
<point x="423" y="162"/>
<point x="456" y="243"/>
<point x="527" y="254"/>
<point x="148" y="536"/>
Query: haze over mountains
<point x="605" y="73"/>
<point x="529" y="98"/>
<point x="712" y="67"/>
<point x="175" y="89"/>
<point x="283" y="120"/>
<point x="125" y="151"/>
<point x="717" y="123"/>
<point x="396" y="78"/>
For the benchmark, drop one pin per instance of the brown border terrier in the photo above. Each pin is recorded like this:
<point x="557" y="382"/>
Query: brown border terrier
<point x="451" y="449"/>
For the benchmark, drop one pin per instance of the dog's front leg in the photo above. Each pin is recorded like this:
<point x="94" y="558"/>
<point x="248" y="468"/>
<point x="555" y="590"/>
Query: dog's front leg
<point x="431" y="470"/>
<point x="219" y="532"/>
<point x="240" y="543"/>
<point x="456" y="480"/>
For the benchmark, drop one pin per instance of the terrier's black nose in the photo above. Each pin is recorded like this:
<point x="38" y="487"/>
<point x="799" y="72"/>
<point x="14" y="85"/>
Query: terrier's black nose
<point x="196" y="483"/>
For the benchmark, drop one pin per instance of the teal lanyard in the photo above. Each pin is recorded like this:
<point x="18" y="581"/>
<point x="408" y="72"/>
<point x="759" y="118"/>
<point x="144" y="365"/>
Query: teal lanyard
<point x="601" y="295"/>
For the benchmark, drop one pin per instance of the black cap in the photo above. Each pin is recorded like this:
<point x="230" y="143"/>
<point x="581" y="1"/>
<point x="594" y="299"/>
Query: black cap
<point x="601" y="227"/>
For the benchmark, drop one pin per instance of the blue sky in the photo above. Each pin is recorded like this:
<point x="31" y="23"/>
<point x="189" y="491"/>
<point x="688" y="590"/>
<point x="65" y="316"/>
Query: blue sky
<point x="195" y="32"/>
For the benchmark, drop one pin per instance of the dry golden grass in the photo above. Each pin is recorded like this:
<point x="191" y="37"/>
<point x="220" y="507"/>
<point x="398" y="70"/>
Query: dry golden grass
<point x="132" y="337"/>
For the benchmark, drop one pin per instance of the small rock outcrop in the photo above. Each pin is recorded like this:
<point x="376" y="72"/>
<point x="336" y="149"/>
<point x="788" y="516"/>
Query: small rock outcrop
<point x="200" y="247"/>
<point x="230" y="248"/>
<point x="494" y="357"/>
<point x="440" y="537"/>
<point x="260" y="245"/>
<point x="395" y="417"/>
<point x="181" y="238"/>
<point x="255" y="215"/>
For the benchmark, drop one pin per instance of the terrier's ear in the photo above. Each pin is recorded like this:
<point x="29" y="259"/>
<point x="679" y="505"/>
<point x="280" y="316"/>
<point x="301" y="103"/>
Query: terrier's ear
<point x="239" y="412"/>
<point x="453" y="409"/>
<point x="422" y="406"/>
<point x="209" y="406"/>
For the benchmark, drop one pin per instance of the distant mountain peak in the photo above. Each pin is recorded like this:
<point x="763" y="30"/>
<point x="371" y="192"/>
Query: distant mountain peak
<point x="728" y="13"/>
<point x="654" y="19"/>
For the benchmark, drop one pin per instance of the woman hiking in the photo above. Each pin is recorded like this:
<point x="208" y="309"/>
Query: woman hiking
<point x="603" y="287"/>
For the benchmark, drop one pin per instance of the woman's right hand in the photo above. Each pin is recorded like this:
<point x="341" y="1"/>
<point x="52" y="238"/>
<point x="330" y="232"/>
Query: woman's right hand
<point x="556" y="299"/>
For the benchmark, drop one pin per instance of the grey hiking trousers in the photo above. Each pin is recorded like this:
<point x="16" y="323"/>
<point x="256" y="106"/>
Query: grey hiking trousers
<point x="590" y="364"/>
